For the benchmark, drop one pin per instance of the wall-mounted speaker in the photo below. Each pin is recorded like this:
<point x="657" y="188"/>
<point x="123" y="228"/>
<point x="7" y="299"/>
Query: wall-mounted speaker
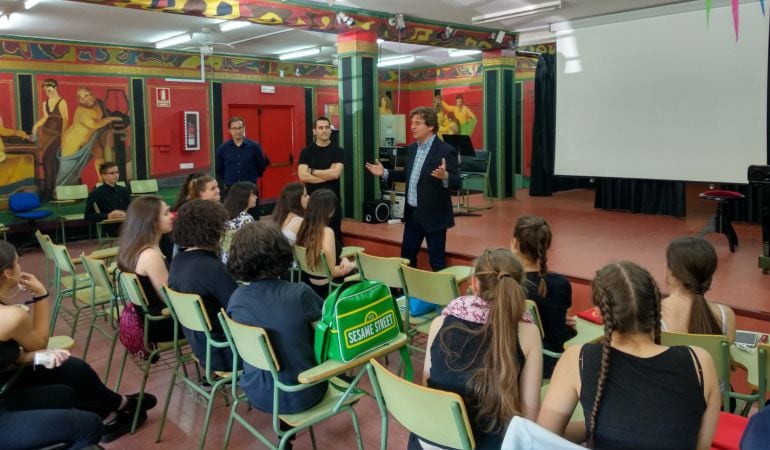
<point x="377" y="211"/>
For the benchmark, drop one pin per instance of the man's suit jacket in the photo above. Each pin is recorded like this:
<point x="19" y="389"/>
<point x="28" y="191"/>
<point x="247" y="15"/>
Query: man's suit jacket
<point x="434" y="201"/>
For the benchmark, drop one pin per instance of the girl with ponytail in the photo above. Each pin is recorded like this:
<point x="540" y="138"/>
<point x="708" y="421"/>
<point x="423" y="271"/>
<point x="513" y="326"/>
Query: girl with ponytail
<point x="635" y="393"/>
<point x="550" y="291"/>
<point x="480" y="349"/>
<point x="691" y="263"/>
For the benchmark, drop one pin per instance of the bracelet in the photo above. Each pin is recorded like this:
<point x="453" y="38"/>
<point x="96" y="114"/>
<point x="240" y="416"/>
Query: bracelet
<point x="37" y="298"/>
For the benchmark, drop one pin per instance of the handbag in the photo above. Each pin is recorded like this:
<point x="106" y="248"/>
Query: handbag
<point x="131" y="331"/>
<point x="356" y="318"/>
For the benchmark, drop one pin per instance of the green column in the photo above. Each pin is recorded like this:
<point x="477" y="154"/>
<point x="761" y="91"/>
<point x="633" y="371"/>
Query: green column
<point x="499" y="72"/>
<point x="358" y="87"/>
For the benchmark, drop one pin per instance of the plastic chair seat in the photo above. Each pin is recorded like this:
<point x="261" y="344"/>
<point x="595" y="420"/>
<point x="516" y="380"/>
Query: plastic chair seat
<point x="103" y="297"/>
<point x="320" y="410"/>
<point x="33" y="215"/>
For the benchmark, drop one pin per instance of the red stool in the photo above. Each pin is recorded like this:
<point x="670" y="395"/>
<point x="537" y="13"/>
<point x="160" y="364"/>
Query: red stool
<point x="721" y="222"/>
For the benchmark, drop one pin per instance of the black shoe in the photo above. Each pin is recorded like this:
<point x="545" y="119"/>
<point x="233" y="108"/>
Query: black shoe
<point x="121" y="425"/>
<point x="148" y="402"/>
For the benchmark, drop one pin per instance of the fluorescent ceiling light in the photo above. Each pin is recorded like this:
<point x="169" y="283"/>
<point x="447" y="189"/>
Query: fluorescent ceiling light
<point x="398" y="60"/>
<point x="300" y="53"/>
<point x="181" y="39"/>
<point x="233" y="25"/>
<point x="30" y="3"/>
<point x="517" y="12"/>
<point x="454" y="53"/>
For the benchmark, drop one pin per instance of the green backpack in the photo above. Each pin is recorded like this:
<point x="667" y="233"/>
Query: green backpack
<point x="357" y="317"/>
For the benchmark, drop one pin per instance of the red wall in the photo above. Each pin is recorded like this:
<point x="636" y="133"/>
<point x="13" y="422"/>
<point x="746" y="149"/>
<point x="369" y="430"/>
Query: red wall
<point x="7" y="95"/>
<point x="242" y="95"/>
<point x="166" y="128"/>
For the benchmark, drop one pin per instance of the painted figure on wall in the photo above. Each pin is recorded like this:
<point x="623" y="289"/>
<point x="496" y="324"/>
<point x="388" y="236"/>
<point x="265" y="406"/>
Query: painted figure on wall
<point x="386" y="105"/>
<point x="446" y="124"/>
<point x="87" y="136"/>
<point x="465" y="117"/>
<point x="8" y="132"/>
<point x="54" y="120"/>
<point x="16" y="167"/>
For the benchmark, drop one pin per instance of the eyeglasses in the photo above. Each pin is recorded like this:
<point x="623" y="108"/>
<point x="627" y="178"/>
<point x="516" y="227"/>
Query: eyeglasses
<point x="112" y="173"/>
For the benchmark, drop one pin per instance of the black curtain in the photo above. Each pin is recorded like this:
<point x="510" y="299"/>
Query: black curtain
<point x="542" y="180"/>
<point x="641" y="196"/>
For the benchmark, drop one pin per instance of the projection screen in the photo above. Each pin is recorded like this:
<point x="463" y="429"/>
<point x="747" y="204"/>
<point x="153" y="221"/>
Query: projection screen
<point x="666" y="97"/>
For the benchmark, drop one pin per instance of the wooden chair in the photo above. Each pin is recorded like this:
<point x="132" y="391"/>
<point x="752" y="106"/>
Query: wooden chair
<point x="434" y="415"/>
<point x="100" y="279"/>
<point x="131" y="291"/>
<point x="143" y="187"/>
<point x="188" y="311"/>
<point x="65" y="199"/>
<point x="252" y="344"/>
<point x="718" y="348"/>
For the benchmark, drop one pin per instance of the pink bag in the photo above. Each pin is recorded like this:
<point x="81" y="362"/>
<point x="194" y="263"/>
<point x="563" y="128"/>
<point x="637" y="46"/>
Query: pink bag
<point x="131" y="331"/>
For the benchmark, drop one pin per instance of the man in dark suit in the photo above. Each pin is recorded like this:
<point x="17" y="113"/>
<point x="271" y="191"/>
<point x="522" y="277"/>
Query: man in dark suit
<point x="431" y="172"/>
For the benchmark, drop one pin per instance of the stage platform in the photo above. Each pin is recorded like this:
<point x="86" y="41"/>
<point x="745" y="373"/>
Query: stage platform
<point x="584" y="239"/>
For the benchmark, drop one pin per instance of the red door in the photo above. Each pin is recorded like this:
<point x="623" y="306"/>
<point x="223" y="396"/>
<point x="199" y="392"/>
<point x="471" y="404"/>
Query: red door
<point x="273" y="128"/>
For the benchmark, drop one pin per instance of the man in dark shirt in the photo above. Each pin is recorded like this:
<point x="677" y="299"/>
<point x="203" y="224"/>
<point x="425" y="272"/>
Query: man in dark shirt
<point x="320" y="167"/>
<point x="108" y="201"/>
<point x="238" y="159"/>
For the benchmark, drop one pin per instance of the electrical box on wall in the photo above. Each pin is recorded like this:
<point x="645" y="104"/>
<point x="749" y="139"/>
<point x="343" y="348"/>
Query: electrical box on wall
<point x="192" y="130"/>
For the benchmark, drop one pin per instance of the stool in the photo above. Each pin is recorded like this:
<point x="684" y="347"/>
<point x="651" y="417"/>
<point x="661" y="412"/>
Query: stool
<point x="721" y="222"/>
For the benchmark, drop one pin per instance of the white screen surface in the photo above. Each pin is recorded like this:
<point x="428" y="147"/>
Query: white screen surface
<point x="666" y="97"/>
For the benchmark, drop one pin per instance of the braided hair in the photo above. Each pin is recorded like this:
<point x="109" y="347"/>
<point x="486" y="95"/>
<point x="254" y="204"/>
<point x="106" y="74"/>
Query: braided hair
<point x="629" y="301"/>
<point x="693" y="262"/>
<point x="534" y="237"/>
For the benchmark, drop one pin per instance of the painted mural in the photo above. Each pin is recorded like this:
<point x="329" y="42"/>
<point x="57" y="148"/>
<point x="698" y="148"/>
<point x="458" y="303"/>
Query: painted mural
<point x="80" y="122"/>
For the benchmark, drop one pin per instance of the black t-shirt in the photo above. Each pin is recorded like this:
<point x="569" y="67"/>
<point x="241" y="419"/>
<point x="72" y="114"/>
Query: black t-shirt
<point x="553" y="312"/>
<point x="201" y="272"/>
<point x="321" y="158"/>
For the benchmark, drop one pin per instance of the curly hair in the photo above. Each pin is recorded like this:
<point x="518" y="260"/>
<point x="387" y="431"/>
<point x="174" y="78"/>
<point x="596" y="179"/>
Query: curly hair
<point x="534" y="237"/>
<point x="200" y="223"/>
<point x="259" y="251"/>
<point x="629" y="301"/>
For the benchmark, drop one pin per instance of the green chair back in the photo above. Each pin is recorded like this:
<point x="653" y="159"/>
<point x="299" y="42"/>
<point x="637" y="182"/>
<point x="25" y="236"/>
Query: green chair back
<point x="44" y="240"/>
<point x="143" y="187"/>
<point x="535" y="313"/>
<point x="98" y="272"/>
<point x="434" y="415"/>
<point x="377" y="268"/>
<point x="300" y="254"/>
<point x="189" y="310"/>
<point x="133" y="291"/>
<point x="244" y="337"/>
<point x="719" y="349"/>
<point x="61" y="258"/>
<point x="434" y="287"/>
<point x="73" y="192"/>
<point x="763" y="373"/>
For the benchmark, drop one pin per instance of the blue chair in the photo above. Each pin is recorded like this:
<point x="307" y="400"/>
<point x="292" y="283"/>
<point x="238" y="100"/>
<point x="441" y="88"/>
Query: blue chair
<point x="26" y="205"/>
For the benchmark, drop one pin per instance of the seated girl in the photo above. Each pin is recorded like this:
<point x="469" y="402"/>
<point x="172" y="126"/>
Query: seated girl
<point x="290" y="209"/>
<point x="146" y="220"/>
<point x="184" y="191"/>
<point x="198" y="270"/>
<point x="550" y="291"/>
<point x="286" y="310"/>
<point x="317" y="237"/>
<point x="57" y="398"/>
<point x="635" y="393"/>
<point x="691" y="263"/>
<point x="480" y="348"/>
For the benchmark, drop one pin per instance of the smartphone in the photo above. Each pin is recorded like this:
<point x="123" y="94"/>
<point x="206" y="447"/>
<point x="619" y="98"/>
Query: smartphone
<point x="746" y="338"/>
